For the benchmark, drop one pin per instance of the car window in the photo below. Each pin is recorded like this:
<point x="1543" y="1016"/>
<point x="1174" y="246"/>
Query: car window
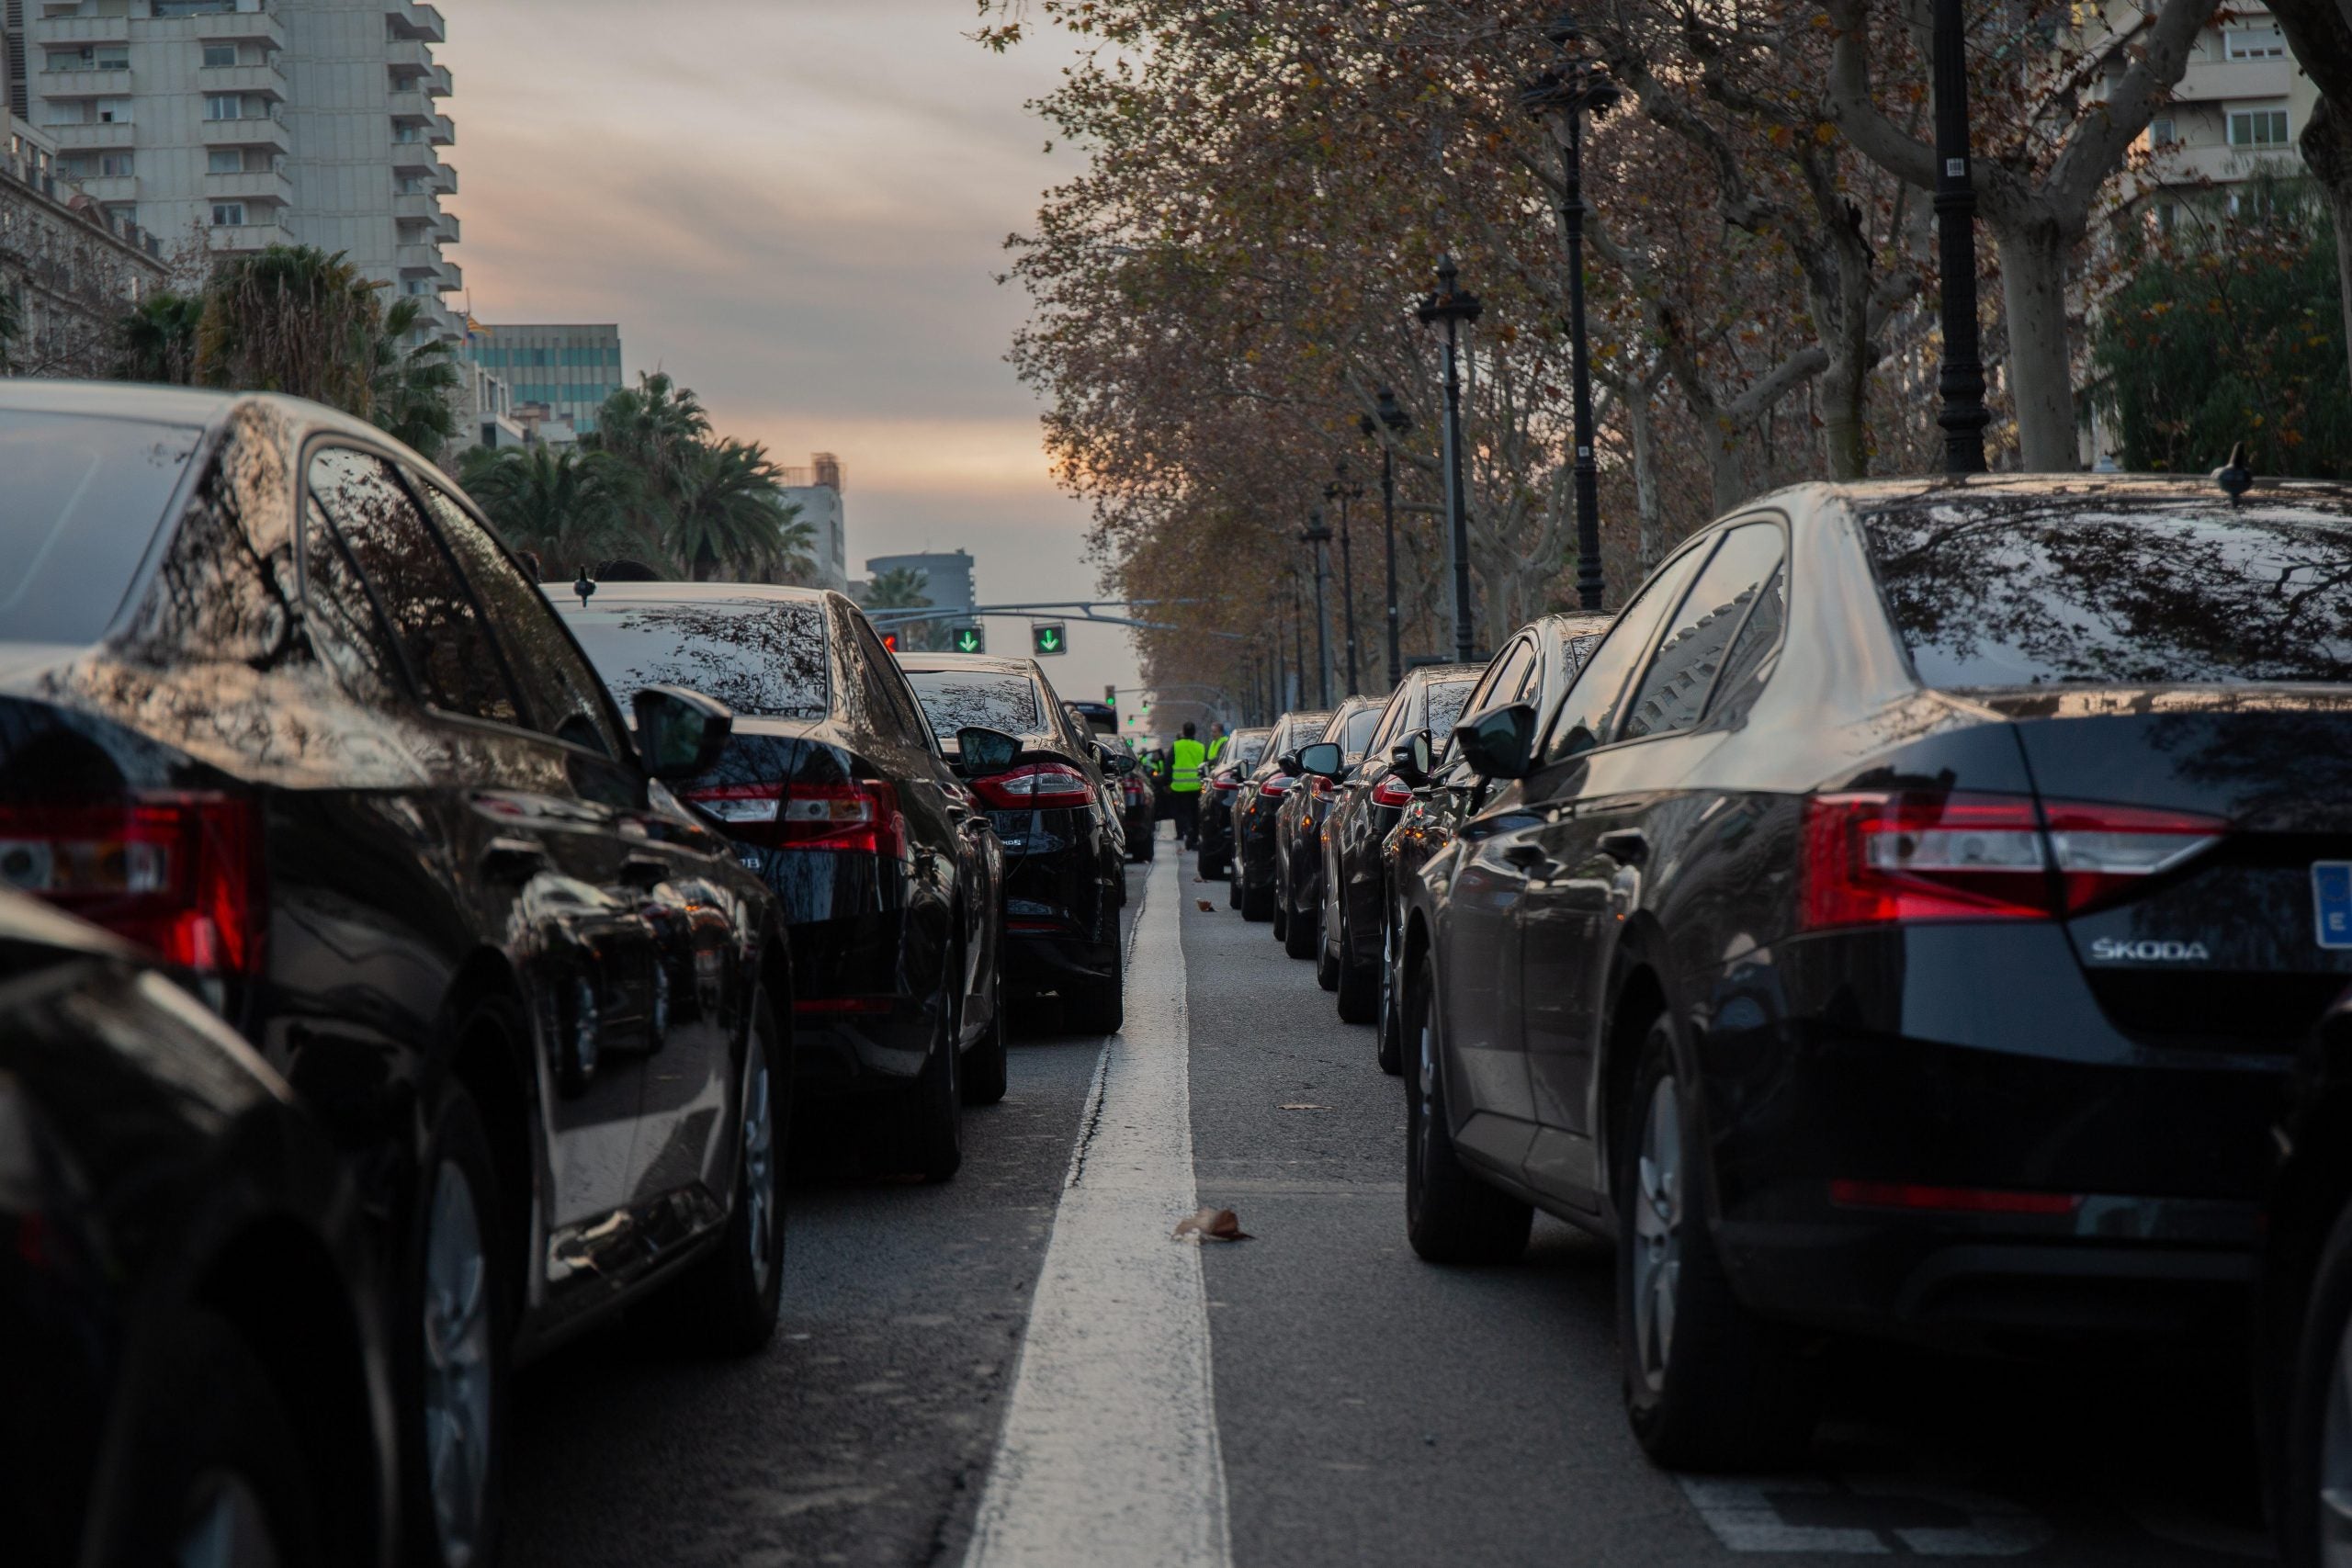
<point x="1590" y="709"/>
<point x="2026" y="591"/>
<point x="1355" y="732"/>
<point x="425" y="602"/>
<point x="1502" y="675"/>
<point x="764" y="657"/>
<point x="1749" y="663"/>
<point x="991" y="699"/>
<point x="348" y="628"/>
<point x="1392" y="715"/>
<point x="1248" y="749"/>
<point x="563" y="696"/>
<point x="1682" y="671"/>
<point x="893" y="706"/>
<point x="1445" y="700"/>
<point x="83" y="500"/>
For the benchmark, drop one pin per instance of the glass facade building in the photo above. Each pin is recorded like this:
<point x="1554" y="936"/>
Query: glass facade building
<point x="573" y="369"/>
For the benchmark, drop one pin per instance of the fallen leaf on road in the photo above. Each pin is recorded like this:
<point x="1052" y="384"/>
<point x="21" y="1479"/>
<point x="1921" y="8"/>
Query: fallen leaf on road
<point x="1206" y="908"/>
<point x="1305" y="1108"/>
<point x="1211" y="1223"/>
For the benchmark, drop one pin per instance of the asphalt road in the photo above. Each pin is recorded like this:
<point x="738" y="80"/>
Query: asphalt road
<point x="1357" y="1406"/>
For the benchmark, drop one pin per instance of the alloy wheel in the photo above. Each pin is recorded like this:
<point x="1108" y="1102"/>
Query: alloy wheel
<point x="1658" y="1233"/>
<point x="2334" y="1500"/>
<point x="227" y="1528"/>
<point x="759" y="1169"/>
<point x="457" y="1365"/>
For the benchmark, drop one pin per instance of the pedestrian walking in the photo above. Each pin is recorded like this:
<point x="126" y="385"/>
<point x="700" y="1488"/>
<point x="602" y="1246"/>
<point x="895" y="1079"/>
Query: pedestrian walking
<point x="1188" y="757"/>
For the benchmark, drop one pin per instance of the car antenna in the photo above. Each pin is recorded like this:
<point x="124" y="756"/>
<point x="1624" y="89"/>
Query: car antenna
<point x="585" y="586"/>
<point x="2236" y="476"/>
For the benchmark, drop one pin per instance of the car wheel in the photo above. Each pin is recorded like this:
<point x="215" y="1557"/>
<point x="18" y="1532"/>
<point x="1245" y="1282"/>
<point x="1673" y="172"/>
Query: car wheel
<point x="936" y="1116"/>
<point x="1099" y="1008"/>
<point x="1451" y="1216"/>
<point x="1303" y="932"/>
<point x="1279" y="896"/>
<point x="452" y="1344"/>
<point x="1258" y="903"/>
<point x="214" y="1473"/>
<point x="1392" y="1023"/>
<point x="1357" y="985"/>
<point x="1708" y="1385"/>
<point x="984" y="1065"/>
<point x="1233" y="888"/>
<point x="728" y="1302"/>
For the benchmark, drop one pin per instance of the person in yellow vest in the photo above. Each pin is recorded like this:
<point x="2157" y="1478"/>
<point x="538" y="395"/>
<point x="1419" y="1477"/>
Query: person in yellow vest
<point x="1217" y="741"/>
<point x="1184" y="782"/>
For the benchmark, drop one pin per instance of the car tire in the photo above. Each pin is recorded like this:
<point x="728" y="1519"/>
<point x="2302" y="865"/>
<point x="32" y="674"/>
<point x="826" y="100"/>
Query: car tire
<point x="1391" y="1024"/>
<point x="213" y="1469"/>
<point x="985" y="1066"/>
<point x="1099" y="1008"/>
<point x="1280" y="912"/>
<point x="1303" y="933"/>
<point x="1233" y="889"/>
<point x="935" y="1108"/>
<point x="2318" y="1438"/>
<point x="728" y="1302"/>
<point x="1357" y="985"/>
<point x="1709" y="1386"/>
<point x="1451" y="1216"/>
<point x="1258" y="904"/>
<point x="1326" y="965"/>
<point x="456" y="1295"/>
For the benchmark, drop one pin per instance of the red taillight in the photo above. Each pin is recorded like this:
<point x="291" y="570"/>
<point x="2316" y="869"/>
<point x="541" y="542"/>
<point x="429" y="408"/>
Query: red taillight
<point x="1039" y="786"/>
<point x="1884" y="859"/>
<point x="1391" y="790"/>
<point x="1323" y="788"/>
<point x="860" y="817"/>
<point x="1225" y="786"/>
<point x="1950" y="1199"/>
<point x="180" y="873"/>
<point x="1277" y="784"/>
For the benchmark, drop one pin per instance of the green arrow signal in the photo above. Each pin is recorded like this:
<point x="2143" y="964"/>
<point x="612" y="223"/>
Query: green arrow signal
<point x="1048" y="639"/>
<point x="967" y="640"/>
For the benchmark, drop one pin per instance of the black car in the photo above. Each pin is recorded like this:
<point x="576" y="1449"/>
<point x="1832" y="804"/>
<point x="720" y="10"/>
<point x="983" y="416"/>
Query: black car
<point x="1368" y="798"/>
<point x="839" y="799"/>
<point x="1234" y="762"/>
<point x="1535" y="667"/>
<point x="1903" y="927"/>
<point x="190" y="1335"/>
<point x="1057" y="810"/>
<point x="1255" y="804"/>
<point x="1298" y="829"/>
<point x="276" y="705"/>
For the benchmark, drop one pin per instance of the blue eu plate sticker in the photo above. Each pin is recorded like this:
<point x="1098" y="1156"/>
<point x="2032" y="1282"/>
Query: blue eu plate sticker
<point x="2332" y="897"/>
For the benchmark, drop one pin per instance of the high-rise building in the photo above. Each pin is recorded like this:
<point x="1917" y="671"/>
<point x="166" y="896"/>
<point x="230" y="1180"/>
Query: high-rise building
<point x="947" y="577"/>
<point x="573" y="369"/>
<point x="238" y="124"/>
<point x="68" y="270"/>
<point x="817" y="491"/>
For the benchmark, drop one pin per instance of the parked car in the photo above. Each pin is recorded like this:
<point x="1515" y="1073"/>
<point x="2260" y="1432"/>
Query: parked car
<point x="1367" y="798"/>
<point x="1242" y="749"/>
<point x="1298" y="829"/>
<point x="1139" y="813"/>
<point x="190" y="1334"/>
<point x="839" y="797"/>
<point x="1058" y="813"/>
<point x="274" y="704"/>
<point x="1903" y="928"/>
<point x="1535" y="667"/>
<point x="1255" y="804"/>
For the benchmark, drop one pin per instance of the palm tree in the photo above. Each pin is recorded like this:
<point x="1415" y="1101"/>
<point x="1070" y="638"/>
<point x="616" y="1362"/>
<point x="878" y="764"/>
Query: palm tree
<point x="723" y="515"/>
<point x="292" y="319"/>
<point x="796" y="539"/>
<point x="568" y="507"/>
<point x="656" y="427"/>
<point x="902" y="588"/>
<point x="412" y="387"/>
<point x="158" y="339"/>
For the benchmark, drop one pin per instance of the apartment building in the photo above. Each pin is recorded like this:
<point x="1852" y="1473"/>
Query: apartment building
<point x="2238" y="110"/>
<point x="69" y="270"/>
<point x="817" y="491"/>
<point x="237" y="124"/>
<point x="570" y="368"/>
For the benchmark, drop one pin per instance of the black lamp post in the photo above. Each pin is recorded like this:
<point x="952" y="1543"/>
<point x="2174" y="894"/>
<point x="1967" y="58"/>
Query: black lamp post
<point x="1343" y="490"/>
<point x="1397" y="421"/>
<point x="1560" y="98"/>
<point x="1961" y="382"/>
<point x="1453" y="305"/>
<point x="1298" y="643"/>
<point x="1319" y="535"/>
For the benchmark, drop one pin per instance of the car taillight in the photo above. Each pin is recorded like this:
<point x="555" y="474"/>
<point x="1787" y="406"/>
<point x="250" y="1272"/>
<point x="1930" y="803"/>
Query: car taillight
<point x="1277" y="784"/>
<point x="1323" y="788"/>
<point x="1392" y="791"/>
<point x="859" y="817"/>
<point x="1886" y="859"/>
<point x="1036" y="786"/>
<point x="180" y="873"/>
<point x="1225" y="786"/>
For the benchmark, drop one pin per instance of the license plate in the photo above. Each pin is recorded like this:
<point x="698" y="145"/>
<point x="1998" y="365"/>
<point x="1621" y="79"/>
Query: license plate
<point x="2332" y="901"/>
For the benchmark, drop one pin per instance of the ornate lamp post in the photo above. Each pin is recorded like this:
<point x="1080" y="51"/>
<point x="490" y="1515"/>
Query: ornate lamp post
<point x="1343" y="491"/>
<point x="1397" y="422"/>
<point x="1455" y="305"/>
<point x="1961" y="381"/>
<point x="1318" y="533"/>
<point x="1560" y="97"/>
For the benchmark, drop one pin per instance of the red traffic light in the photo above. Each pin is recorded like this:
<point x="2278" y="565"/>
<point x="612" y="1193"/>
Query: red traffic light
<point x="890" y="641"/>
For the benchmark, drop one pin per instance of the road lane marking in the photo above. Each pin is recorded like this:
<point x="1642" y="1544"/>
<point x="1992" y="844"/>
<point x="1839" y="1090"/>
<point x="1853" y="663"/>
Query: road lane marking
<point x="1109" y="1452"/>
<point x="1947" y="1520"/>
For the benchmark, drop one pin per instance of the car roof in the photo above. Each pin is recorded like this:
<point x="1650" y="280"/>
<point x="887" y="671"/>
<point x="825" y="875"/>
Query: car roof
<point x="688" y="594"/>
<point x="1864" y="494"/>
<point x="994" y="663"/>
<point x="1428" y="675"/>
<point x="166" y="405"/>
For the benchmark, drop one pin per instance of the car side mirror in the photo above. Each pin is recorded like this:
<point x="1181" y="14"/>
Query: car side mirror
<point x="1500" y="742"/>
<point x="1410" y="759"/>
<point x="1324" y="759"/>
<point x="1118" y="764"/>
<point x="986" y="752"/>
<point x="680" y="734"/>
<point x="1289" y="762"/>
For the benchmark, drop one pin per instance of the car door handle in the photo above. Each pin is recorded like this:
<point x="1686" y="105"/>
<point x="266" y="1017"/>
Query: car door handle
<point x="645" y="871"/>
<point x="1626" y="846"/>
<point x="514" y="860"/>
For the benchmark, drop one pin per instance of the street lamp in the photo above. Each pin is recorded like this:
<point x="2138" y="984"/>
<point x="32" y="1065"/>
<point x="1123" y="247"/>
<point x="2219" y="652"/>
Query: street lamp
<point x="1318" y="535"/>
<point x="1455" y="305"/>
<point x="1961" y="381"/>
<point x="1397" y="422"/>
<point x="1343" y="491"/>
<point x="1560" y="98"/>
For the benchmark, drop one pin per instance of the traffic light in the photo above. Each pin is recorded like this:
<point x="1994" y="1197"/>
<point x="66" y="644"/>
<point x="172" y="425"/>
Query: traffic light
<point x="1111" y="695"/>
<point x="971" y="640"/>
<point x="890" y="641"/>
<point x="1048" y="639"/>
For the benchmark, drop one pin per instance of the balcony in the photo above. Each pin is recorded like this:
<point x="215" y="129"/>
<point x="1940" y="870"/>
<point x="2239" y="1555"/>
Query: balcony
<point x="96" y="133"/>
<point x="409" y="105"/>
<point x="230" y="27"/>
<point x="446" y="229"/>
<point x="110" y="188"/>
<point x="47" y="30"/>
<point x="270" y="186"/>
<point x="415" y="207"/>
<point x="453" y="276"/>
<point x="409" y="21"/>
<point x="408" y="58"/>
<point x="438" y="83"/>
<point x="267" y="81"/>
<point x="2212" y="81"/>
<point x="418" y="261"/>
<point x="256" y="132"/>
<point x="238" y="239"/>
<point x="90" y="84"/>
<point x="443" y="130"/>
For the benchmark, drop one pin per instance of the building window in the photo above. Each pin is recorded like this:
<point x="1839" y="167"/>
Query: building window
<point x="223" y="105"/>
<point x="2254" y="43"/>
<point x="2257" y="128"/>
<point x="114" y="165"/>
<point x="2162" y="132"/>
<point x="224" y="161"/>
<point x="227" y="215"/>
<point x="219" y="54"/>
<point x="114" y="111"/>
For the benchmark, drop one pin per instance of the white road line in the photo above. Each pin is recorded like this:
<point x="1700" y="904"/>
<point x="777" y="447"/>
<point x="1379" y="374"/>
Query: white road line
<point x="1109" y="1453"/>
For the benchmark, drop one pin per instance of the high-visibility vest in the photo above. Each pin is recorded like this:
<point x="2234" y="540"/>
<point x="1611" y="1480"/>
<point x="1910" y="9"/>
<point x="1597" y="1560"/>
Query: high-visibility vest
<point x="1189" y="756"/>
<point x="1215" y="746"/>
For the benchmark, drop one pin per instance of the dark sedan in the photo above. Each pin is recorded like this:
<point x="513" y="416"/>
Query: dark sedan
<point x="840" y="798"/>
<point x="1255" y="804"/>
<point x="1904" y="927"/>
<point x="1368" y="797"/>
<point x="1057" y="809"/>
<point x="275" y="703"/>
<point x="1233" y="764"/>
<point x="190" y="1338"/>
<point x="1298" y="829"/>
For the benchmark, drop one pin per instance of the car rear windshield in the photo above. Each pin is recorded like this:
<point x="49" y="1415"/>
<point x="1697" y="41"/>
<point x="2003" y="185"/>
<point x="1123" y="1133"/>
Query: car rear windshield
<point x="987" y="700"/>
<point x="1248" y="749"/>
<point x="766" y="659"/>
<point x="2084" y="589"/>
<point x="1446" y="698"/>
<point x="80" y="500"/>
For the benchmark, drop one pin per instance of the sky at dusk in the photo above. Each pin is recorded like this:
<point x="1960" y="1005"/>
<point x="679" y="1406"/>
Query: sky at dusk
<point x="796" y="207"/>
